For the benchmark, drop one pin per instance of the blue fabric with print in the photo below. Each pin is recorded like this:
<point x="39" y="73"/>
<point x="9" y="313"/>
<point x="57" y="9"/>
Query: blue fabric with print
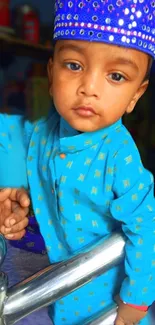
<point x="84" y="186"/>
<point x="12" y="152"/>
<point x="13" y="174"/>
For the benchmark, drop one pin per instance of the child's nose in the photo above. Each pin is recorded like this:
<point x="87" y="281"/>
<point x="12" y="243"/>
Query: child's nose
<point x="90" y="85"/>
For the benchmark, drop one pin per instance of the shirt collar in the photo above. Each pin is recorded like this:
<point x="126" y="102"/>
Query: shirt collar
<point x="73" y="141"/>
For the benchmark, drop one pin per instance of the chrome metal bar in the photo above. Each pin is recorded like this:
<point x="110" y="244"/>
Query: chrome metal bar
<point x="3" y="291"/>
<point x="3" y="277"/>
<point x="3" y="249"/>
<point x="55" y="282"/>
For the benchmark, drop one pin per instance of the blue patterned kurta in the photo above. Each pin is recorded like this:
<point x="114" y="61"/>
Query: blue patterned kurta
<point x="84" y="187"/>
<point x="13" y="173"/>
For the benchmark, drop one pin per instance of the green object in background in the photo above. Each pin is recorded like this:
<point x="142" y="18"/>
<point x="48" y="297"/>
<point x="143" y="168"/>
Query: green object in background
<point x="37" y="97"/>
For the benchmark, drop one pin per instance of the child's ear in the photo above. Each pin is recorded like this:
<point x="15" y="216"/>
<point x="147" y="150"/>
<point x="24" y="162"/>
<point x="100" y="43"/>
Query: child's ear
<point x="141" y="90"/>
<point x="50" y="75"/>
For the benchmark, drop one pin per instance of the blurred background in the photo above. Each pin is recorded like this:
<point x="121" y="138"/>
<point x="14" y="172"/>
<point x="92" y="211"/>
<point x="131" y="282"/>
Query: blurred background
<point x="25" y="47"/>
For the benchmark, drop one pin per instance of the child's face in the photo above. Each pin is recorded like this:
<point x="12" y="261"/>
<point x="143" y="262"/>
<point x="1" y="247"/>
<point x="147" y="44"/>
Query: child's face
<point x="94" y="84"/>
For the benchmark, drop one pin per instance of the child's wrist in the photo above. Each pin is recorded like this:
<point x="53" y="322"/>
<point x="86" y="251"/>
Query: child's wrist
<point x="141" y="308"/>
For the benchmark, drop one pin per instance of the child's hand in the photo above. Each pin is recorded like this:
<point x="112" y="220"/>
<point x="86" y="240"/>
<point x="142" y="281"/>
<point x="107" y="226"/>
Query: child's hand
<point x="14" y="205"/>
<point x="127" y="315"/>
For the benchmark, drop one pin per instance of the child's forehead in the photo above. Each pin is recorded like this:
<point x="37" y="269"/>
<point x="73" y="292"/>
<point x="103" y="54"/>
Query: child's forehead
<point x="107" y="51"/>
<point x="129" y="23"/>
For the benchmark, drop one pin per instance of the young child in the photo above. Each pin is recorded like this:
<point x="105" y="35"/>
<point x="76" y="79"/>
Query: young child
<point x="84" y="171"/>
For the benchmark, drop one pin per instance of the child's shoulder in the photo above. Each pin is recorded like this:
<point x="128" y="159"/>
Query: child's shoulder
<point x="125" y="136"/>
<point x="122" y="144"/>
<point x="11" y="129"/>
<point x="12" y="121"/>
<point x="120" y="137"/>
<point x="126" y="147"/>
<point x="44" y="124"/>
<point x="41" y="128"/>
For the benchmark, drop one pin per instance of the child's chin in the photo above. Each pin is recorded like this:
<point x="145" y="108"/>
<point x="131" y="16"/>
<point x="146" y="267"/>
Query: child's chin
<point x="85" y="128"/>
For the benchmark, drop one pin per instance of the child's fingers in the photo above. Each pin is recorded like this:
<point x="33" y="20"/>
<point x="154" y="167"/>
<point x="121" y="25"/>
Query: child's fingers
<point x="20" y="196"/>
<point x="18" y="227"/>
<point x="18" y="211"/>
<point x="7" y="204"/>
<point x="23" y="198"/>
<point x="3" y="230"/>
<point x="4" y="194"/>
<point x="15" y="217"/>
<point x="121" y="322"/>
<point x="16" y="236"/>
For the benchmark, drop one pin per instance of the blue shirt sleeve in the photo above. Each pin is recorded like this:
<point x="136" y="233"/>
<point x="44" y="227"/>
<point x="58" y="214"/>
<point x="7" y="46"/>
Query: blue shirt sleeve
<point x="12" y="151"/>
<point x="134" y="206"/>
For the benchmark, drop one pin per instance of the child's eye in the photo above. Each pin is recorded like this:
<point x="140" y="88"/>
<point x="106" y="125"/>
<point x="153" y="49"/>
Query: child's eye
<point x="73" y="66"/>
<point x="117" y="77"/>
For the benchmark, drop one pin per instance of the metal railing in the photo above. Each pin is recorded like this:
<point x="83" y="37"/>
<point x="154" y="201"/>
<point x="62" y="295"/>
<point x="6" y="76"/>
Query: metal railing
<point x="57" y="281"/>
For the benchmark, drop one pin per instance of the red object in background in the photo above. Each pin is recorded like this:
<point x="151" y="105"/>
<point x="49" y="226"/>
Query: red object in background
<point x="26" y="22"/>
<point x="4" y="13"/>
<point x="31" y="28"/>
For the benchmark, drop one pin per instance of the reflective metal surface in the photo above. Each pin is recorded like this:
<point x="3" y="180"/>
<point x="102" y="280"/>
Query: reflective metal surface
<point x="3" y="277"/>
<point x="55" y="282"/>
<point x="3" y="249"/>
<point x="3" y="290"/>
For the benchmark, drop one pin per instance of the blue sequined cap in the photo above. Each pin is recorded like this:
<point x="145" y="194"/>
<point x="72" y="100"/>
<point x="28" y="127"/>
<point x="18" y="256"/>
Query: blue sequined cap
<point x="129" y="23"/>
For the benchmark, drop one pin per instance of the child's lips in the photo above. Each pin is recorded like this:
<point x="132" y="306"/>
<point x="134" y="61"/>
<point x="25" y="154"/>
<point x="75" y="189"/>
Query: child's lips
<point x="85" y="111"/>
